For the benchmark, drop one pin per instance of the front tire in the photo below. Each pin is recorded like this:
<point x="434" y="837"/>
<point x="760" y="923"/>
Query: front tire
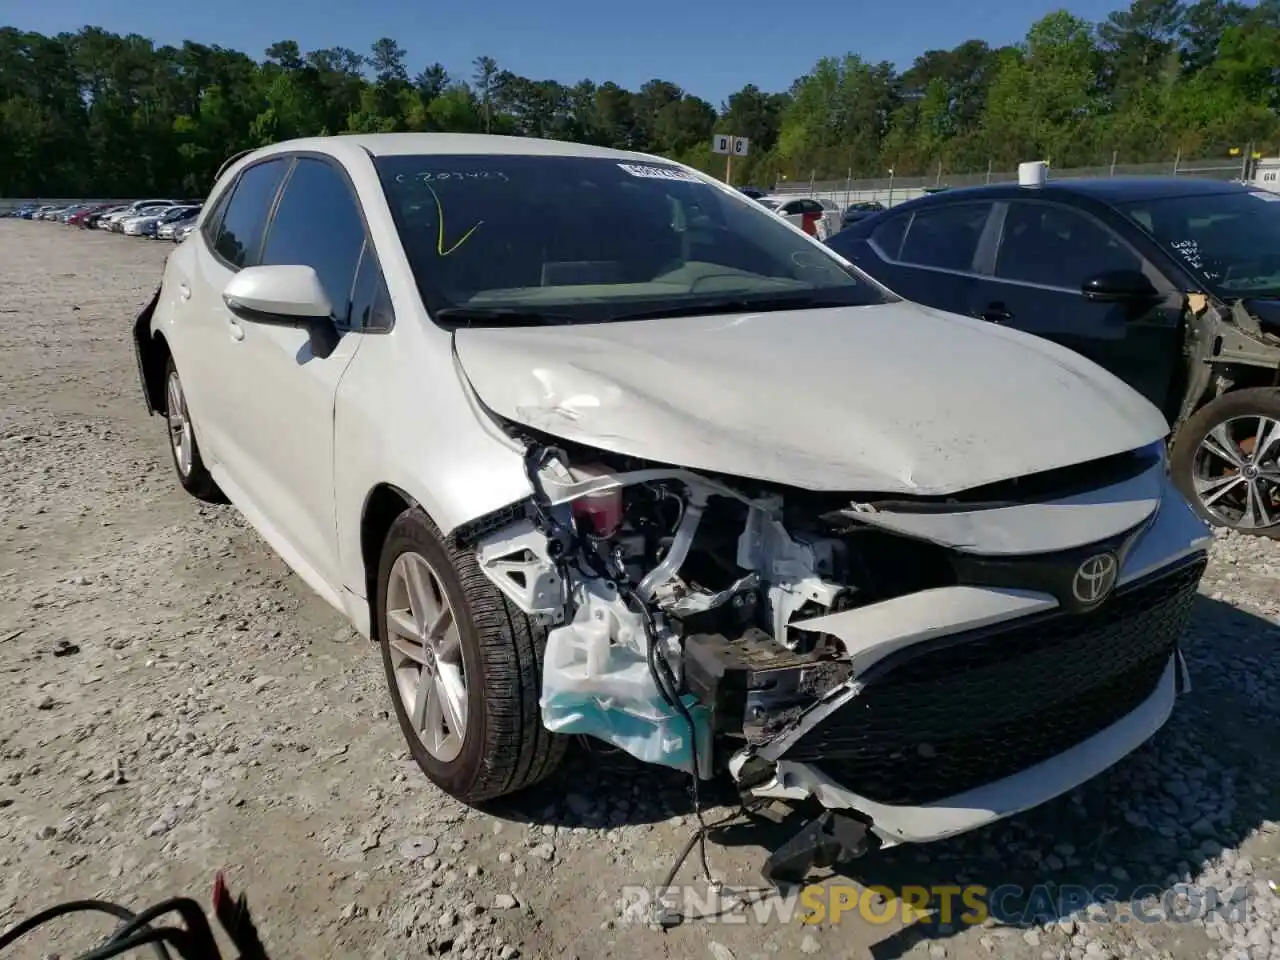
<point x="463" y="667"/>
<point x="187" y="462"/>
<point x="1226" y="461"/>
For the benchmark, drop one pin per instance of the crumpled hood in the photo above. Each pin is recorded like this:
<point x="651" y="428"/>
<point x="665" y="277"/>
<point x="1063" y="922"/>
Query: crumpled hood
<point x="894" y="398"/>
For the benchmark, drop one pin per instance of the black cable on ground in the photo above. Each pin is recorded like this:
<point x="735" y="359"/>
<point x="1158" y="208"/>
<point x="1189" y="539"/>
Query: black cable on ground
<point x="157" y="938"/>
<point x="15" y="933"/>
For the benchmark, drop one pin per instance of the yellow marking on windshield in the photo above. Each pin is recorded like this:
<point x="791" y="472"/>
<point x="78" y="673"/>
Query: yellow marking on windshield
<point x="440" y="228"/>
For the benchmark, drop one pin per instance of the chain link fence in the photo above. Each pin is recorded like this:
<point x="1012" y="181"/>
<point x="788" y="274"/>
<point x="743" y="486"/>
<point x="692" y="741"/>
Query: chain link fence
<point x="889" y="190"/>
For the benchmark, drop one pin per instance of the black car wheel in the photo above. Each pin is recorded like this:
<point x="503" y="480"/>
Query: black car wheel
<point x="1226" y="460"/>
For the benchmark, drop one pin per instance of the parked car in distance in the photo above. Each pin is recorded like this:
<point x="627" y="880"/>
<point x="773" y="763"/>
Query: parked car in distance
<point x="115" y="221"/>
<point x="858" y="211"/>
<point x="146" y="224"/>
<point x="186" y="219"/>
<point x="658" y="455"/>
<point x="80" y="216"/>
<point x="73" y="211"/>
<point x="1173" y="284"/>
<point x="93" y="219"/>
<point x="816" y="217"/>
<point x="166" y="231"/>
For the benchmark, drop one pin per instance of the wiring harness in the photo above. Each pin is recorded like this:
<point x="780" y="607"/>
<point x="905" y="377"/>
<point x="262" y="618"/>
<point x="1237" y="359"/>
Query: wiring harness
<point x="565" y="546"/>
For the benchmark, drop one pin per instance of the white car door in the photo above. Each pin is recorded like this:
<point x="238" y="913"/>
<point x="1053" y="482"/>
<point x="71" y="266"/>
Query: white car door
<point x="205" y="349"/>
<point x="281" y="398"/>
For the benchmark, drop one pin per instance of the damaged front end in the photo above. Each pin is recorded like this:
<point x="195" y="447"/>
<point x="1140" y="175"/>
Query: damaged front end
<point x="918" y="667"/>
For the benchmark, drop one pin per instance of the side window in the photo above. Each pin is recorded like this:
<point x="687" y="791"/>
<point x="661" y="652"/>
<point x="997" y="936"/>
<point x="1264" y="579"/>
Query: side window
<point x="213" y="219"/>
<point x="887" y="237"/>
<point x="370" y="302"/>
<point x="318" y="223"/>
<point x="240" y="232"/>
<point x="945" y="236"/>
<point x="1057" y="246"/>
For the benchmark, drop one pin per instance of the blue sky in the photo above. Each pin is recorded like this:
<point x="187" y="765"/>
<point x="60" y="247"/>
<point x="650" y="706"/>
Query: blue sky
<point x="709" y="47"/>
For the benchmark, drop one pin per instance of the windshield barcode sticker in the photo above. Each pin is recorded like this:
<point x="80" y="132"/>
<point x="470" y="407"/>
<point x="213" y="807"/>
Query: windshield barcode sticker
<point x="1263" y="195"/>
<point x="658" y="173"/>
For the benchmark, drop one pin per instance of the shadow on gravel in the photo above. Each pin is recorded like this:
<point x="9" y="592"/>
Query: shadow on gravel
<point x="601" y="788"/>
<point x="1169" y="814"/>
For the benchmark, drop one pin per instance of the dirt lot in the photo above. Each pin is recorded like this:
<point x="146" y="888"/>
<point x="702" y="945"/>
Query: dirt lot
<point x="175" y="702"/>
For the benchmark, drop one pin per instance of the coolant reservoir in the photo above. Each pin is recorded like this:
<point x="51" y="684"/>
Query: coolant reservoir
<point x="601" y="511"/>
<point x="594" y="685"/>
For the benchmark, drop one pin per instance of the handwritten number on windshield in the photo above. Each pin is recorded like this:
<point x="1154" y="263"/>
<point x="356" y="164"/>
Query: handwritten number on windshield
<point x="440" y="247"/>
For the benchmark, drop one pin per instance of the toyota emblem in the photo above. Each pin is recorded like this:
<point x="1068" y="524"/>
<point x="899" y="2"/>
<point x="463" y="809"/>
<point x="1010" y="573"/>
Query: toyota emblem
<point x="1094" y="579"/>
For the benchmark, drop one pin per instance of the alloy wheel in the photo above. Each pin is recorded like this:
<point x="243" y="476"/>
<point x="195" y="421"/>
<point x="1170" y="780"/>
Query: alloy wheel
<point x="1236" y="473"/>
<point x="426" y="654"/>
<point x="179" y="425"/>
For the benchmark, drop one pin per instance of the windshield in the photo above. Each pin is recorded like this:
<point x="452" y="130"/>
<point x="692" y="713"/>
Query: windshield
<point x="592" y="239"/>
<point x="1231" y="241"/>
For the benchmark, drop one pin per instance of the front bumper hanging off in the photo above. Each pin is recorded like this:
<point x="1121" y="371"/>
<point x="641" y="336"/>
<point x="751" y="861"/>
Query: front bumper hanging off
<point x="990" y="702"/>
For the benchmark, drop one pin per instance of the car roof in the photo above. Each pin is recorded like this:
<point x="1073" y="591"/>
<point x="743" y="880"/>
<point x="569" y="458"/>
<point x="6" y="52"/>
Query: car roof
<point x="411" y="144"/>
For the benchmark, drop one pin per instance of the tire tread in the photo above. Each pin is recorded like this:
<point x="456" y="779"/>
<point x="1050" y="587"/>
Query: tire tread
<point x="519" y="751"/>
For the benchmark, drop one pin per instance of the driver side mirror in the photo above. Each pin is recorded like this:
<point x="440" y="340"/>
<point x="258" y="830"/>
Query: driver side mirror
<point x="289" y="295"/>
<point x="1119" y="286"/>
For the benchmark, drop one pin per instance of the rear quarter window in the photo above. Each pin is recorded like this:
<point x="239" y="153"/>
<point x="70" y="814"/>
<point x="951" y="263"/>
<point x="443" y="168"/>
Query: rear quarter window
<point x="213" y="212"/>
<point x="945" y="237"/>
<point x="887" y="236"/>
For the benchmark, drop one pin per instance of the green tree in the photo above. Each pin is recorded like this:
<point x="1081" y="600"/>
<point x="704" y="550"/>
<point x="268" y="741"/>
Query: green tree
<point x="99" y="113"/>
<point x="1045" y="95"/>
<point x="485" y="76"/>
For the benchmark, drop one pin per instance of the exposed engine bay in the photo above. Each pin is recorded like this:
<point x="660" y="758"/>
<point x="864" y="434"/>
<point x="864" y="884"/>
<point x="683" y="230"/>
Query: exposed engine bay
<point x="815" y="646"/>
<point x="664" y="587"/>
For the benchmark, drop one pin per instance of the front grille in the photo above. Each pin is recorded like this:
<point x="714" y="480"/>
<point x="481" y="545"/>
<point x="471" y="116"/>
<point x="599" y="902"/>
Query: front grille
<point x="984" y="705"/>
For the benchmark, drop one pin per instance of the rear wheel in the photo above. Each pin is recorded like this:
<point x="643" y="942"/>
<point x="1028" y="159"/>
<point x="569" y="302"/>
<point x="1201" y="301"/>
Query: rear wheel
<point x="187" y="462"/>
<point x="463" y="667"/>
<point x="1226" y="460"/>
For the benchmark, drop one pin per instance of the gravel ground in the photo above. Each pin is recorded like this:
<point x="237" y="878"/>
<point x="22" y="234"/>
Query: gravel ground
<point x="175" y="702"/>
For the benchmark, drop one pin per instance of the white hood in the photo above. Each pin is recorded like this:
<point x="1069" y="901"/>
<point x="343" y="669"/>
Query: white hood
<point x="896" y="398"/>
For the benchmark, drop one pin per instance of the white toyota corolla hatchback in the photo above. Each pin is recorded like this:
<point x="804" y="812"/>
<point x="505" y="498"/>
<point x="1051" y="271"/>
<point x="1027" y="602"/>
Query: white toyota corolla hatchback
<point x="589" y="443"/>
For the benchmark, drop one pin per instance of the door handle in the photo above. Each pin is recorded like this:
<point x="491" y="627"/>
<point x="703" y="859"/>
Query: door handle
<point x="237" y="331"/>
<point x="184" y="292"/>
<point x="995" y="313"/>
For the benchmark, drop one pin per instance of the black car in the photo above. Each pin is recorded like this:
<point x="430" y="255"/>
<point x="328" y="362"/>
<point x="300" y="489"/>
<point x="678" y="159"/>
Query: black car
<point x="1171" y="283"/>
<point x="859" y="211"/>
